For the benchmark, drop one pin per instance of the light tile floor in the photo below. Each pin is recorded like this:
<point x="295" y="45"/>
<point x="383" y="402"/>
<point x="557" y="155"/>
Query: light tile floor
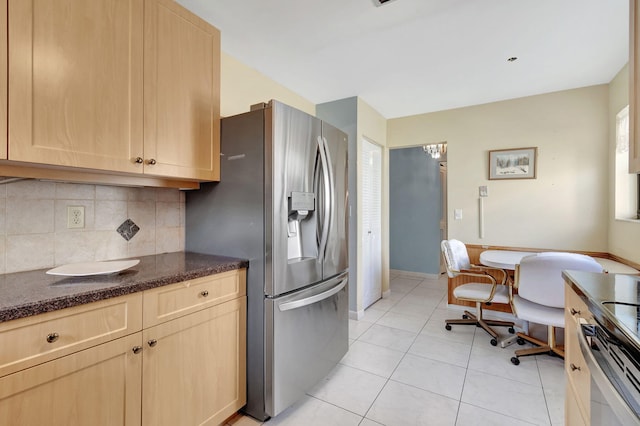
<point x="404" y="368"/>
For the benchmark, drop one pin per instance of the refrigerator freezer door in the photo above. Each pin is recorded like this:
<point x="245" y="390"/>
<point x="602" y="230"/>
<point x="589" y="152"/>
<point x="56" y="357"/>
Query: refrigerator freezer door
<point x="307" y="335"/>
<point x="291" y="152"/>
<point x="336" y="257"/>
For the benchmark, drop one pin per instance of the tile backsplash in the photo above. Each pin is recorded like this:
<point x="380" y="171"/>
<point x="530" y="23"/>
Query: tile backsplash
<point x="34" y="233"/>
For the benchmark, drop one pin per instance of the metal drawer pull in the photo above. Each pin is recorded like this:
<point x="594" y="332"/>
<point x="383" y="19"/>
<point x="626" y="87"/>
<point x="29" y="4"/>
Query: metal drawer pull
<point x="139" y="160"/>
<point x="574" y="367"/>
<point x="52" y="337"/>
<point x="136" y="349"/>
<point x="152" y="342"/>
<point x="204" y="293"/>
<point x="151" y="161"/>
<point x="574" y="312"/>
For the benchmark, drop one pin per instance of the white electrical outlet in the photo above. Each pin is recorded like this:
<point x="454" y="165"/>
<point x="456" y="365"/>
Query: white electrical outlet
<point x="75" y="216"/>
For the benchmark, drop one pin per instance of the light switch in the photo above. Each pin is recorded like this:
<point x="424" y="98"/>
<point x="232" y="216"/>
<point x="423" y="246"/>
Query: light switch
<point x="457" y="214"/>
<point x="483" y="191"/>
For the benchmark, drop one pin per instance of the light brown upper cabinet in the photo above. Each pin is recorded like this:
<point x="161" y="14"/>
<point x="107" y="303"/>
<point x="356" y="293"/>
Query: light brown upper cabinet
<point x="75" y="79"/>
<point x="123" y="86"/>
<point x="634" y="87"/>
<point x="3" y="80"/>
<point x="181" y="93"/>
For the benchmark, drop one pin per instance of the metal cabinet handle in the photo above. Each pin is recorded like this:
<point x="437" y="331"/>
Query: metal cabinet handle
<point x="204" y="293"/>
<point x="152" y="342"/>
<point x="137" y="349"/>
<point x="574" y="312"/>
<point x="139" y="160"/>
<point x="52" y="337"/>
<point x="151" y="161"/>
<point x="574" y="367"/>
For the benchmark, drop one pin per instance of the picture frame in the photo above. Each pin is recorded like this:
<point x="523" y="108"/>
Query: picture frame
<point x="516" y="163"/>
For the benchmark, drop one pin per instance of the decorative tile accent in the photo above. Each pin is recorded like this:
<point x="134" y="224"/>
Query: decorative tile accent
<point x="128" y="229"/>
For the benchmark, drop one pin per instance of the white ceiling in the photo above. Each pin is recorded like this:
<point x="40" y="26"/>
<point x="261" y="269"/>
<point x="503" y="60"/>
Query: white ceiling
<point x="415" y="56"/>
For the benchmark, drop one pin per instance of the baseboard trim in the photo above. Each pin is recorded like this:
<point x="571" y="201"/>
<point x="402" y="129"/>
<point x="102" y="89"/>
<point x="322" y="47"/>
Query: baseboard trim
<point x="356" y="315"/>
<point x="411" y="274"/>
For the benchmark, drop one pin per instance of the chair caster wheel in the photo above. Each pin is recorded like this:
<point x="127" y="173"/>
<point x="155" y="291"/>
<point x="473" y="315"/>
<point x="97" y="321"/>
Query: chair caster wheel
<point x="448" y="327"/>
<point x="515" y="361"/>
<point x="494" y="342"/>
<point x="520" y="341"/>
<point x="512" y="330"/>
<point x="465" y="316"/>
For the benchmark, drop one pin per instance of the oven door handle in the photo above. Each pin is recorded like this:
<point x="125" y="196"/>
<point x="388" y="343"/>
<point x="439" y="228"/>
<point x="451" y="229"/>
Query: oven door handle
<point x="618" y="405"/>
<point x="313" y="299"/>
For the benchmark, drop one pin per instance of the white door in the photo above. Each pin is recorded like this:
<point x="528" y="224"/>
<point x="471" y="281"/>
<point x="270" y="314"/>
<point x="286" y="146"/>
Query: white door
<point x="371" y="160"/>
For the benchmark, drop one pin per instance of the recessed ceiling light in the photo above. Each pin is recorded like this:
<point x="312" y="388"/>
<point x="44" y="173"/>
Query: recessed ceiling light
<point x="512" y="59"/>
<point x="381" y="2"/>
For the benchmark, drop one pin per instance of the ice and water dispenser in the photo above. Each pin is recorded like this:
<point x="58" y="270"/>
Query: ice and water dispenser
<point x="301" y="228"/>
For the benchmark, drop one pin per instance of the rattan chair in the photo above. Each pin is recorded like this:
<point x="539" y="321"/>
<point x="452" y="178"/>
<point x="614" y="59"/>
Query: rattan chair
<point x="481" y="293"/>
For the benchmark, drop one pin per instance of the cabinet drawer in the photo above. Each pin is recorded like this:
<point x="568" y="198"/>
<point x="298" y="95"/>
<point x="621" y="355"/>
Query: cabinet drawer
<point x="577" y="372"/>
<point x="173" y="301"/>
<point x="29" y="341"/>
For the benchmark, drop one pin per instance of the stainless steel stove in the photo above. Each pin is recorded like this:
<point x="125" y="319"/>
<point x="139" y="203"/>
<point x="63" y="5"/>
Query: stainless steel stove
<point x="610" y="345"/>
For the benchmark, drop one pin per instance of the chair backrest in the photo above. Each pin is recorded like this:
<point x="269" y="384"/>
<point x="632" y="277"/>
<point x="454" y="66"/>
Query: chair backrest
<point x="539" y="278"/>
<point x="455" y="255"/>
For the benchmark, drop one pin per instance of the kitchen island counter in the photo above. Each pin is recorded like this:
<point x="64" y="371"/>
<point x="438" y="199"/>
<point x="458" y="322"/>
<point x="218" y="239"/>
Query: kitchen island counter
<point x="23" y="294"/>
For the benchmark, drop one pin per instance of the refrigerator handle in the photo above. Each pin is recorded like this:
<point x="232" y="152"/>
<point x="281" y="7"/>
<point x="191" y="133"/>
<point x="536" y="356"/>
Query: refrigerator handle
<point x="326" y="206"/>
<point x="313" y="299"/>
<point x="332" y="186"/>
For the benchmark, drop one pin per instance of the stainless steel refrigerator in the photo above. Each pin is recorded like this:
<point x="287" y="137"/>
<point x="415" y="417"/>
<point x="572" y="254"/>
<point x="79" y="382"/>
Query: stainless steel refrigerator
<point x="281" y="203"/>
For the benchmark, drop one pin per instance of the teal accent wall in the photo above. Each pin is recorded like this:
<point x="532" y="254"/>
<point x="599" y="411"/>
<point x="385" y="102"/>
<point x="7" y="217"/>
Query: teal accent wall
<point x="414" y="211"/>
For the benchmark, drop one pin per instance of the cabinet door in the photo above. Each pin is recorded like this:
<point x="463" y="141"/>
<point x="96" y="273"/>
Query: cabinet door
<point x="194" y="367"/>
<point x="577" y="373"/>
<point x="181" y="93"/>
<point x="75" y="80"/>
<point x="97" y="386"/>
<point x="634" y="87"/>
<point x="572" y="411"/>
<point x="3" y="81"/>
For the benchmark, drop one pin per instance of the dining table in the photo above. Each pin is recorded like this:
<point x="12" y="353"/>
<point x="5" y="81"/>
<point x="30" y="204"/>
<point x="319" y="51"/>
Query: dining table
<point x="508" y="259"/>
<point x="503" y="259"/>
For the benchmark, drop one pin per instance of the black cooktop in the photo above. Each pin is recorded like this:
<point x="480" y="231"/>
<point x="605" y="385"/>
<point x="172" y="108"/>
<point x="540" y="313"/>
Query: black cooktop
<point x="614" y="300"/>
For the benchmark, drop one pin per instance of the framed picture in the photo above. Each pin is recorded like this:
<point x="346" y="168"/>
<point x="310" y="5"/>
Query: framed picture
<point x="519" y="163"/>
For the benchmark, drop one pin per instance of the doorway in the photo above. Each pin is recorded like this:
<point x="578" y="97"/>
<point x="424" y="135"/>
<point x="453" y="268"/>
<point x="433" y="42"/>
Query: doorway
<point x="417" y="211"/>
<point x="371" y="160"/>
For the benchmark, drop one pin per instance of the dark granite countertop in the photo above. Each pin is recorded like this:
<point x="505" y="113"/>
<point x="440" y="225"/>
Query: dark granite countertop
<point x="23" y="294"/>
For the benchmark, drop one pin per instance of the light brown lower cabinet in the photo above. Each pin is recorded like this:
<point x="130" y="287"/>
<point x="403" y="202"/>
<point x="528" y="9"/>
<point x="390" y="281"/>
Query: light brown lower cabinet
<point x="194" y="367"/>
<point x="99" y="386"/>
<point x="578" y="383"/>
<point x="187" y="370"/>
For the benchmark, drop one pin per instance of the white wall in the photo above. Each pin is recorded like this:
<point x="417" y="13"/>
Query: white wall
<point x="623" y="235"/>
<point x="566" y="207"/>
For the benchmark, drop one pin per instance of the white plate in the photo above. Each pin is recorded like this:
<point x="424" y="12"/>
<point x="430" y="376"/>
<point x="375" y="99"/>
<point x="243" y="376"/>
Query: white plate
<point x="93" y="268"/>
